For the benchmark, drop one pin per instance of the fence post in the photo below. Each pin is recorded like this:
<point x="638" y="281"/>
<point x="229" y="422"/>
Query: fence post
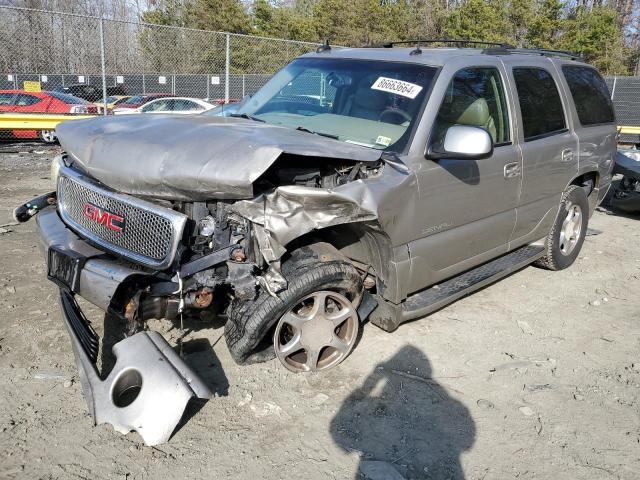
<point x="226" y="70"/>
<point x="104" y="73"/>
<point x="613" y="89"/>
<point x="243" y="94"/>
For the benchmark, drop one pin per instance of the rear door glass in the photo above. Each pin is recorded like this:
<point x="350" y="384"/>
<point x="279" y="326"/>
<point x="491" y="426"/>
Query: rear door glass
<point x="540" y="103"/>
<point x="590" y="95"/>
<point x="6" y="99"/>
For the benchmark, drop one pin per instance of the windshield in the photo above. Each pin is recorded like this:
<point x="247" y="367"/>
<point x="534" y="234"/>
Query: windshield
<point x="222" y="110"/>
<point x="135" y="99"/>
<point x="366" y="102"/>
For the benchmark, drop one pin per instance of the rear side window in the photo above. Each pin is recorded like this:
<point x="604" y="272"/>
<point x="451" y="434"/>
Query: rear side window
<point x="6" y="98"/>
<point x="540" y="104"/>
<point x="68" y="99"/>
<point x="590" y="94"/>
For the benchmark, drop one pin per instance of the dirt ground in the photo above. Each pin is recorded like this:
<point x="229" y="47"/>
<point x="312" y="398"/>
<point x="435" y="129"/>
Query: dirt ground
<point x="537" y="376"/>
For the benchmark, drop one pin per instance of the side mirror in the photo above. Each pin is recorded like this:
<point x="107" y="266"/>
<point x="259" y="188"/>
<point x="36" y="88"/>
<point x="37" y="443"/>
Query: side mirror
<point x="463" y="142"/>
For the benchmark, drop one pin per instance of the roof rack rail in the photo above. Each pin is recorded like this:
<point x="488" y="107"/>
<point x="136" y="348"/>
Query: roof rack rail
<point x="545" y="52"/>
<point x="455" y="42"/>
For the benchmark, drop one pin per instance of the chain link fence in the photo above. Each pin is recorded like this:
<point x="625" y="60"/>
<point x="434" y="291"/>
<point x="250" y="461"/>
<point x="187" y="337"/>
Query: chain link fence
<point x="128" y="58"/>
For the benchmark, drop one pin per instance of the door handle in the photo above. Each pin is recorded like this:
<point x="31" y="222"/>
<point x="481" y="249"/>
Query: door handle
<point x="512" y="170"/>
<point x="567" y="155"/>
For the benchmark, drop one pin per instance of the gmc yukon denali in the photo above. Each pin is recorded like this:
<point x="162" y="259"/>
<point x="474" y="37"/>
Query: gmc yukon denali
<point x="360" y="184"/>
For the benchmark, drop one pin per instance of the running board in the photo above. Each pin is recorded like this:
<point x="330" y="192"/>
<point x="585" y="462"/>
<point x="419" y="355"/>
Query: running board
<point x="434" y="298"/>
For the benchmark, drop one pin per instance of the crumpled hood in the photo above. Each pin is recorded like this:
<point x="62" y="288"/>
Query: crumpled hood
<point x="194" y="157"/>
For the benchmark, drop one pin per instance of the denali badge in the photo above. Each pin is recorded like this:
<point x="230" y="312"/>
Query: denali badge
<point x="103" y="217"/>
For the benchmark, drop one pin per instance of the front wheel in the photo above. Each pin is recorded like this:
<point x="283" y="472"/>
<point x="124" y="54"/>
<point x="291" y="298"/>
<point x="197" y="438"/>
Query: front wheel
<point x="317" y="333"/>
<point x="48" y="136"/>
<point x="311" y="326"/>
<point x="567" y="234"/>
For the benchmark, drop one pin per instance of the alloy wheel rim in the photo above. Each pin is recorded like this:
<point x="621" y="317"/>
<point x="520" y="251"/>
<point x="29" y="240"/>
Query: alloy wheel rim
<point x="571" y="229"/>
<point x="317" y="333"/>
<point x="48" y="136"/>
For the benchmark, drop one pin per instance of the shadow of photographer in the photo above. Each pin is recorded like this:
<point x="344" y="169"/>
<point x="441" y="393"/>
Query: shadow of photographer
<point x="403" y="423"/>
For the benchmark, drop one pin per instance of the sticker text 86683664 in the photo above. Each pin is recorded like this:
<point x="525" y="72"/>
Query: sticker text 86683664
<point x="399" y="87"/>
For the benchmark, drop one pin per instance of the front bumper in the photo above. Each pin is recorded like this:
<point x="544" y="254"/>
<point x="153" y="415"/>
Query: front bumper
<point x="100" y="276"/>
<point x="149" y="387"/>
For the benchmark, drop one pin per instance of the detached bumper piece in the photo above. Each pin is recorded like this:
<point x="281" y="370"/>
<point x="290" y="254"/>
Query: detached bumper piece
<point x="79" y="326"/>
<point x="148" y="388"/>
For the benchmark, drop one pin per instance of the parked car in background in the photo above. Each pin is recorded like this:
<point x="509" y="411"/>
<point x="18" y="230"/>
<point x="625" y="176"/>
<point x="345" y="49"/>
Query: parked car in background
<point x="224" y="110"/>
<point x="92" y="93"/>
<point x="175" y="105"/>
<point x="20" y="101"/>
<point x="222" y="101"/>
<point x="138" y="101"/>
<point x="112" y="101"/>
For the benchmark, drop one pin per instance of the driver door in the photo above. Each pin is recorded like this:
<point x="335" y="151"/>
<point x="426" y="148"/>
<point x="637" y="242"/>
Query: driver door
<point x="467" y="207"/>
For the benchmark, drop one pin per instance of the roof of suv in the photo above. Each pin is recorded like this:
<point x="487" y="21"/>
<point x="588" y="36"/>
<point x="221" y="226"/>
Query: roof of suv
<point x="429" y="56"/>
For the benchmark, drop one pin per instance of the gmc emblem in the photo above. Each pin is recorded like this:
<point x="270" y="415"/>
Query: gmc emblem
<point x="103" y="217"/>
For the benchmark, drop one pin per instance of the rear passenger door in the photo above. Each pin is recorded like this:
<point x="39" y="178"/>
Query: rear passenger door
<point x="26" y="103"/>
<point x="549" y="148"/>
<point x="595" y="120"/>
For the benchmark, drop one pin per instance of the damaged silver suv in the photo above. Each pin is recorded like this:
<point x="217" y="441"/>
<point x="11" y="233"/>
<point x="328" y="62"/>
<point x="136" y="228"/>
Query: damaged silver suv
<point x="374" y="183"/>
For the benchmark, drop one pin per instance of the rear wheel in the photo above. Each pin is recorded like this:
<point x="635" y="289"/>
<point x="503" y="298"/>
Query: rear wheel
<point x="568" y="231"/>
<point x="48" y="136"/>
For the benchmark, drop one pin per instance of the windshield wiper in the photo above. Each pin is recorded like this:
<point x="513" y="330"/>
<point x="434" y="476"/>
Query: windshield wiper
<point x="322" y="134"/>
<point x="248" y="117"/>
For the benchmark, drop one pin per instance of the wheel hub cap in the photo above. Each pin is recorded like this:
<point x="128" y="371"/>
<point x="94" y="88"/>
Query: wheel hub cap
<point x="571" y="229"/>
<point x="317" y="333"/>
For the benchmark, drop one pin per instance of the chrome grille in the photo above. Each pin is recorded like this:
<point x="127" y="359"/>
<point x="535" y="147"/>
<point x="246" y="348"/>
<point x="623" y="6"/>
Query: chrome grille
<point x="150" y="234"/>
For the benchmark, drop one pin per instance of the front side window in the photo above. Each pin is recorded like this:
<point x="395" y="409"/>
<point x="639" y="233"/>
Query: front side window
<point x="25" y="100"/>
<point x="475" y="97"/>
<point x="376" y="104"/>
<point x="590" y="95"/>
<point x="69" y="99"/>
<point x="540" y="103"/>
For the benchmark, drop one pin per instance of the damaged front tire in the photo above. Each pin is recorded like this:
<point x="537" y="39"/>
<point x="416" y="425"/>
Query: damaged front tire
<point x="330" y="289"/>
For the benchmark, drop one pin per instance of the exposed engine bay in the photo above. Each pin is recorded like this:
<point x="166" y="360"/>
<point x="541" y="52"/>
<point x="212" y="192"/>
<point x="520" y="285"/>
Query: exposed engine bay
<point x="220" y="259"/>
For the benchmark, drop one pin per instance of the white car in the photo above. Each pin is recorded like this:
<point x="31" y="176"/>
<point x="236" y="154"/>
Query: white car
<point x="177" y="105"/>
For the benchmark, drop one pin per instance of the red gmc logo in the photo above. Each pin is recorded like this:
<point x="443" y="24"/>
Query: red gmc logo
<point x="103" y="217"/>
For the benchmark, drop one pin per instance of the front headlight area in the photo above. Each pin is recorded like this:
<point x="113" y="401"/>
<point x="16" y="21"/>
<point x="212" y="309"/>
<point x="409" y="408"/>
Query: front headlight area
<point x="56" y="163"/>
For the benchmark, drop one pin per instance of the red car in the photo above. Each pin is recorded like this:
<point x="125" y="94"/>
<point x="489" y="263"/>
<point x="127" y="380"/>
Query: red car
<point x="139" y="100"/>
<point x="19" y="101"/>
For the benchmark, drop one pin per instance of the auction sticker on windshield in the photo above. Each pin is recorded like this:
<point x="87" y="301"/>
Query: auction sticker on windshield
<point x="399" y="87"/>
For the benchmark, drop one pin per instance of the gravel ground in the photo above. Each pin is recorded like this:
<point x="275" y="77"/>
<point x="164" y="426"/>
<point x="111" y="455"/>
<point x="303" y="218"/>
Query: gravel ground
<point x="537" y="376"/>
